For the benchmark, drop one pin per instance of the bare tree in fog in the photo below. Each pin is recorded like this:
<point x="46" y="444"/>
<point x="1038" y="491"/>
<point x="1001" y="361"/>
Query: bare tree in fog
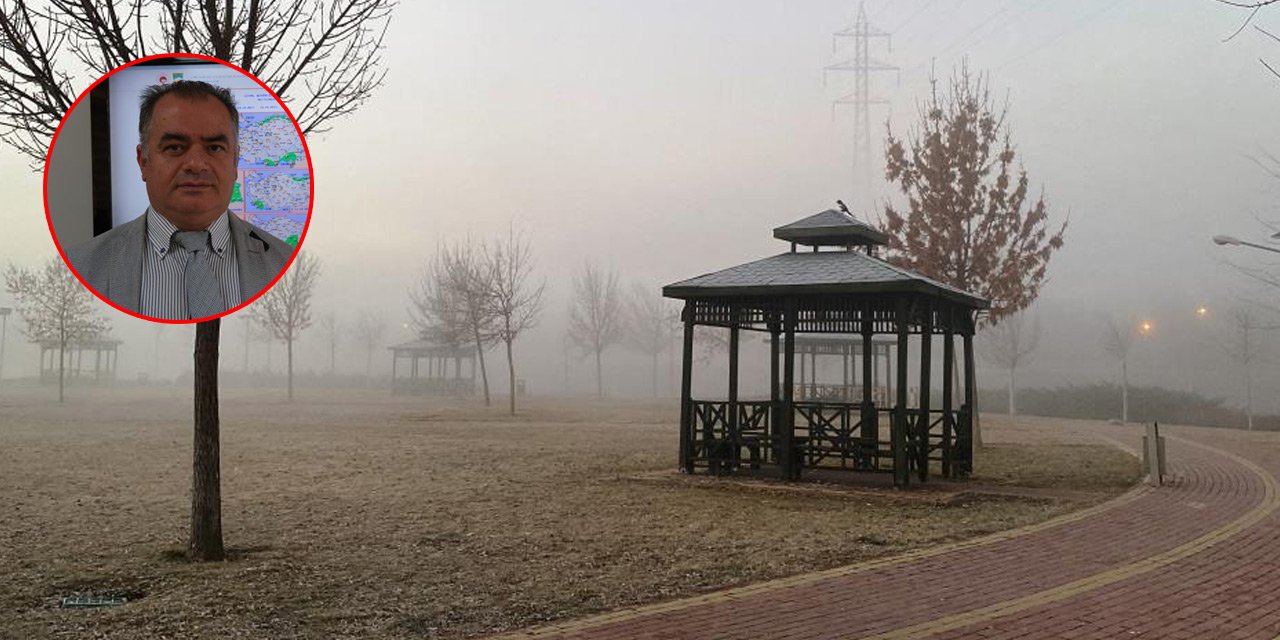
<point x="652" y="323"/>
<point x="1009" y="344"/>
<point x="595" y="314"/>
<point x="322" y="57"/>
<point x="969" y="221"/>
<point x="286" y="308"/>
<point x="1254" y="7"/>
<point x="370" y="328"/>
<point x="452" y="306"/>
<point x="332" y="329"/>
<point x="56" y="308"/>
<point x="1241" y="343"/>
<point x="514" y="298"/>
<point x="1117" y="342"/>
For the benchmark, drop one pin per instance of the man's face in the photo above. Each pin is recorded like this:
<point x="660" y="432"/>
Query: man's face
<point x="190" y="160"/>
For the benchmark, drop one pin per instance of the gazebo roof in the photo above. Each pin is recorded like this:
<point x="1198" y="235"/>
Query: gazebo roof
<point x="816" y="273"/>
<point x="831" y="228"/>
<point x="427" y="348"/>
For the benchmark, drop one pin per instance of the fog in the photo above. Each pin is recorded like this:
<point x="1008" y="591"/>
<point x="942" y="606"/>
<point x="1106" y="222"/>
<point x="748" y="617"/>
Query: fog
<point x="666" y="139"/>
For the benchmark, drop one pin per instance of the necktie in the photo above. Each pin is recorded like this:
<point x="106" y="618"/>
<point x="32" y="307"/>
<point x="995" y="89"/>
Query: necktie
<point x="204" y="297"/>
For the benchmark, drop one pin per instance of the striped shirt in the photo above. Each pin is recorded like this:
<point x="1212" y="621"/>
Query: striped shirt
<point x="164" y="287"/>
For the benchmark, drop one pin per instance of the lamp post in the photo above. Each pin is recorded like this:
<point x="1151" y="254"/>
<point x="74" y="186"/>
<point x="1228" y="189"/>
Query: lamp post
<point x="1230" y="240"/>
<point x="4" y="328"/>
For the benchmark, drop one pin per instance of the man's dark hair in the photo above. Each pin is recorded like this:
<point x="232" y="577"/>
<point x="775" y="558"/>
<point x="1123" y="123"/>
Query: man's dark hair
<point x="189" y="90"/>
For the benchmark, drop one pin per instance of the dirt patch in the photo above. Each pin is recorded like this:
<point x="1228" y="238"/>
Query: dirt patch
<point x="360" y="514"/>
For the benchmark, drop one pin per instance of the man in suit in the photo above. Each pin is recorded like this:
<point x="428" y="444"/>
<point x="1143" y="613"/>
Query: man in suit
<point x="187" y="257"/>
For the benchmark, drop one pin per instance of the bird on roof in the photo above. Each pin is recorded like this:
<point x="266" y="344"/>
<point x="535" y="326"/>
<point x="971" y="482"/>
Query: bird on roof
<point x="842" y="207"/>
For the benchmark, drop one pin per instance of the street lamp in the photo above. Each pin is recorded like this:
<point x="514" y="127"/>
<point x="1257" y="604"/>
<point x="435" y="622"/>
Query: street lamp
<point x="1237" y="241"/>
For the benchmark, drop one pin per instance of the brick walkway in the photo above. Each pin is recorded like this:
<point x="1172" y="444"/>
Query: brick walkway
<point x="1197" y="558"/>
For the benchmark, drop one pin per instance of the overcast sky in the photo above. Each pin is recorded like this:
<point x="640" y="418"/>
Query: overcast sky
<point x="667" y="138"/>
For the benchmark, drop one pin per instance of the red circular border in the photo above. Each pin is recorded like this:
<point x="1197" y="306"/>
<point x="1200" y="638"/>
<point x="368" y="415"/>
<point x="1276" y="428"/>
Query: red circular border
<point x="311" y="202"/>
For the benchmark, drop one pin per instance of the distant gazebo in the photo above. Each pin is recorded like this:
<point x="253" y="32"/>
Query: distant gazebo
<point x="79" y="365"/>
<point x="828" y="298"/>
<point x="432" y="369"/>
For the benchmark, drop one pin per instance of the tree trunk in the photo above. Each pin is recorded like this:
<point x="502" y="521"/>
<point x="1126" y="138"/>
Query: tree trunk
<point x="206" y="492"/>
<point x="289" y="348"/>
<point x="653" y="374"/>
<point x="1124" y="391"/>
<point x="1013" y="407"/>
<point x="1248" y="397"/>
<point x="511" y="375"/>
<point x="62" y="366"/>
<point x="484" y="372"/>
<point x="599" y="377"/>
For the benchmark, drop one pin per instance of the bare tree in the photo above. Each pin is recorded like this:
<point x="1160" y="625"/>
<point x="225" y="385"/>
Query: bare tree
<point x="1117" y="342"/>
<point x="1009" y="344"/>
<point x="513" y="297"/>
<point x="452" y="305"/>
<point x="55" y="307"/>
<point x="1253" y="8"/>
<point x="332" y="332"/>
<point x="371" y="326"/>
<point x="322" y="57"/>
<point x="652" y="323"/>
<point x="595" y="314"/>
<point x="1241" y="343"/>
<point x="286" y="309"/>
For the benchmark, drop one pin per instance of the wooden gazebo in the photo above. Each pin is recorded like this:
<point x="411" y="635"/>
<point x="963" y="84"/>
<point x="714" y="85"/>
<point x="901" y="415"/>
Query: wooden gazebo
<point x="75" y="366"/>
<point x="428" y="369"/>
<point x="835" y="291"/>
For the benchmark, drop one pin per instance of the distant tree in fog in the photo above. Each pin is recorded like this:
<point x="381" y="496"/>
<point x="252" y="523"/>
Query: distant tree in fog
<point x="595" y="315"/>
<point x="370" y="328"/>
<point x="286" y="308"/>
<point x="452" y="302"/>
<point x="1117" y="342"/>
<point x="652" y="322"/>
<point x="514" y="298"/>
<point x="1241" y="342"/>
<point x="1009" y="344"/>
<point x="332" y="331"/>
<point x="55" y="307"/>
<point x="969" y="220"/>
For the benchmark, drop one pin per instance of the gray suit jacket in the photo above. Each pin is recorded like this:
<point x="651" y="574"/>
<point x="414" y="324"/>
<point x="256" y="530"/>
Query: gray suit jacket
<point x="112" y="263"/>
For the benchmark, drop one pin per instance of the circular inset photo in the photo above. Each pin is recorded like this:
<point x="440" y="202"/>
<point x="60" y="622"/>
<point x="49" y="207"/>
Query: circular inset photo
<point x="178" y="188"/>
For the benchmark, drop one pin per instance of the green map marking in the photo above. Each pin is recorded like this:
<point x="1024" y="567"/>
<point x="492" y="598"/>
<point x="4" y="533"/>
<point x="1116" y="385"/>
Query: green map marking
<point x="236" y="196"/>
<point x="290" y="159"/>
<point x="292" y="240"/>
<point x="301" y="178"/>
<point x="259" y="204"/>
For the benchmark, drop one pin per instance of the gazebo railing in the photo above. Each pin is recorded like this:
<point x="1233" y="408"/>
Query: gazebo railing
<point x="827" y="435"/>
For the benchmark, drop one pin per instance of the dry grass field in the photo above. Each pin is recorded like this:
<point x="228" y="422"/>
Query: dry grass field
<point x="356" y="514"/>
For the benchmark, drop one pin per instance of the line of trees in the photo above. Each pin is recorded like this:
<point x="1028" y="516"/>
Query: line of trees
<point x="479" y="294"/>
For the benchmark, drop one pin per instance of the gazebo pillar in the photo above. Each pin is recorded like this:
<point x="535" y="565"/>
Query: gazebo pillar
<point x="870" y="420"/>
<point x="734" y="440"/>
<point x="686" y="392"/>
<point x="964" y="440"/>
<point x="787" y="428"/>
<point x="775" y="389"/>
<point x="926" y="381"/>
<point x="948" y="367"/>
<point x="898" y="429"/>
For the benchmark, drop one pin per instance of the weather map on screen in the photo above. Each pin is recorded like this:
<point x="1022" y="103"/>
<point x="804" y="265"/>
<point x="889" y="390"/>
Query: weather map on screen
<point x="273" y="186"/>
